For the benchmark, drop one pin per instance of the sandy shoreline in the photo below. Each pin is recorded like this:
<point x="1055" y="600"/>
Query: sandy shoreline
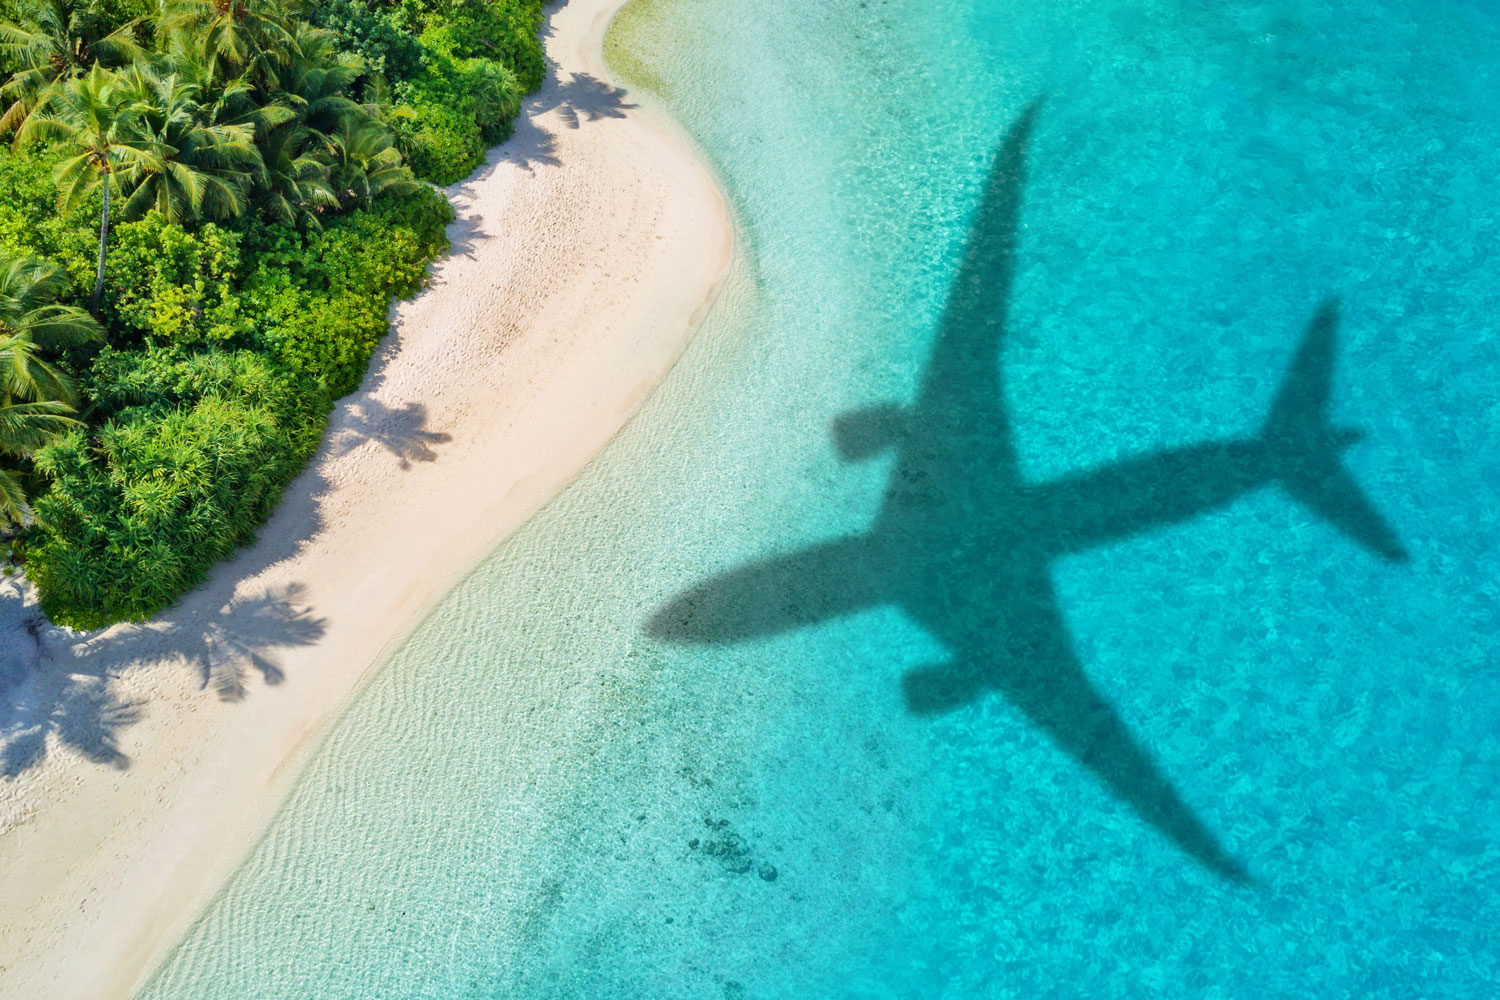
<point x="144" y="763"/>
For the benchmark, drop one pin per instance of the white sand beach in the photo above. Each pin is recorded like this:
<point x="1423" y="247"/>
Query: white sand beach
<point x="144" y="762"/>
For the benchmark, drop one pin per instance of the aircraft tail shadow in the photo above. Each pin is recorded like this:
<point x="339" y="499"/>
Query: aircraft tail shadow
<point x="1305" y="448"/>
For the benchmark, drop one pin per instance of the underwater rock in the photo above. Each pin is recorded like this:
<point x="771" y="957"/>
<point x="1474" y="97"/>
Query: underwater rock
<point x="732" y="853"/>
<point x="694" y="778"/>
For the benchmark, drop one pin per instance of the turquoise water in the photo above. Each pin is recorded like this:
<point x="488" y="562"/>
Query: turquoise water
<point x="1235" y="754"/>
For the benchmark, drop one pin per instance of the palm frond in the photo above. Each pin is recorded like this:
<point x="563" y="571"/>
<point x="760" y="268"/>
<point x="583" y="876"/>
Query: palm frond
<point x="13" y="506"/>
<point x="25" y="427"/>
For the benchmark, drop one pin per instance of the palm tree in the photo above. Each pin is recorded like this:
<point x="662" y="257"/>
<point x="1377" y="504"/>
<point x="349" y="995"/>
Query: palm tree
<point x="318" y="79"/>
<point x="293" y="182"/>
<point x="366" y="164"/>
<point x="312" y="112"/>
<point x="201" y="169"/>
<point x="94" y="125"/>
<point x="221" y="100"/>
<point x="25" y="427"/>
<point x="53" y="40"/>
<point x="35" y="398"/>
<point x="29" y="311"/>
<point x="249" y="37"/>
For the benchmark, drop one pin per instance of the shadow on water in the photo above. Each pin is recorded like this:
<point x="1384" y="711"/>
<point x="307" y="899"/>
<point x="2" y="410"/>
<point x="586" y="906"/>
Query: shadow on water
<point x="963" y="544"/>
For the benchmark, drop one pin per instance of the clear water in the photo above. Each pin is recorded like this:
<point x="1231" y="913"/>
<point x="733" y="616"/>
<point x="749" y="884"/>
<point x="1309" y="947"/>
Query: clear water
<point x="511" y="808"/>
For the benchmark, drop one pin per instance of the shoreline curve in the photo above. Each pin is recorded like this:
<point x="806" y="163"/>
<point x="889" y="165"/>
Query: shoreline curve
<point x="586" y="252"/>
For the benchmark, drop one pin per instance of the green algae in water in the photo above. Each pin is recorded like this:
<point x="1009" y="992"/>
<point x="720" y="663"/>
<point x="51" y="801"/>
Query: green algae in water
<point x="623" y="49"/>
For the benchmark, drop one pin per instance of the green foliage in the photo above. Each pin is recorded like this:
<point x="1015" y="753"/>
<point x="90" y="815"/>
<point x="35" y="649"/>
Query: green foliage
<point x="441" y="139"/>
<point x="198" y="439"/>
<point x="263" y="214"/>
<point x="340" y="279"/>
<point x="140" y="509"/>
<point x="172" y="285"/>
<point x="459" y="69"/>
<point x="504" y="31"/>
<point x="495" y="97"/>
<point x="27" y="197"/>
<point x="459" y="107"/>
<point x="478" y="59"/>
<point x="171" y="376"/>
<point x="373" y="35"/>
<point x="30" y="224"/>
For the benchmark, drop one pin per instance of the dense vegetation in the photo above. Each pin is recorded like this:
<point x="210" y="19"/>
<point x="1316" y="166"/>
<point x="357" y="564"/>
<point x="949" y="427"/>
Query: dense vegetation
<point x="206" y="207"/>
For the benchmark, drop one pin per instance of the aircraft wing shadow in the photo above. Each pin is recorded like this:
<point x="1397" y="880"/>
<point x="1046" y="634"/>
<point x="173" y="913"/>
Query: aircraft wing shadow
<point x="775" y="595"/>
<point x="1029" y="660"/>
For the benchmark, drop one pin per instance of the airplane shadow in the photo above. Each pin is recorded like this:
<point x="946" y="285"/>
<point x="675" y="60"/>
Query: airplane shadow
<point x="963" y="543"/>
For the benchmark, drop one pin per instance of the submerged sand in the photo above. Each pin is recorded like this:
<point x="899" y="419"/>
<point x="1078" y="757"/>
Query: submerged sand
<point x="142" y="763"/>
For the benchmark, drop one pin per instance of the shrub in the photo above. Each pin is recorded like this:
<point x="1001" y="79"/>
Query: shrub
<point x="197" y="442"/>
<point x="27" y="199"/>
<point x="441" y="140"/>
<point x="374" y="36"/>
<point x="504" y="31"/>
<point x="495" y="97"/>
<point x="321" y="299"/>
<point x="30" y="224"/>
<point x="478" y="61"/>
<point x="169" y="284"/>
<point x="171" y="377"/>
<point x="139" y="510"/>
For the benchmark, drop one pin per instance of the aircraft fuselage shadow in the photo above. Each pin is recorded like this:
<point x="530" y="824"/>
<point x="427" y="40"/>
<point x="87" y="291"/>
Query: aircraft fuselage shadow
<point x="963" y="544"/>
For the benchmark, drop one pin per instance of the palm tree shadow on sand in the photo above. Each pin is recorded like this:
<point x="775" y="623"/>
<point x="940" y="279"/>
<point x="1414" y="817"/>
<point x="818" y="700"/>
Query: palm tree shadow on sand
<point x="963" y="543"/>
<point x="68" y="696"/>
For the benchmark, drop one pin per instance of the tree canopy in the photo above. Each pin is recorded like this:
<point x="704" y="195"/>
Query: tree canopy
<point x="205" y="209"/>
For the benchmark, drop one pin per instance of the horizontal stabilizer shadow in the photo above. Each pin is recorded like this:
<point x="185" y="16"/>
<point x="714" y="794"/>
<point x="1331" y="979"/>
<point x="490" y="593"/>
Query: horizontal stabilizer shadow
<point x="963" y="544"/>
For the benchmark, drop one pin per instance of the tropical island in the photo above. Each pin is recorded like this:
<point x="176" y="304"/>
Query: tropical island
<point x="205" y="211"/>
<point x="246" y="447"/>
<point x="975" y="584"/>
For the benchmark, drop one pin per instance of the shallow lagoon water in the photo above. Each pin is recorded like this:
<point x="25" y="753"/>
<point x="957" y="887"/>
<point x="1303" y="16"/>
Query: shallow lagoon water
<point x="509" y="809"/>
